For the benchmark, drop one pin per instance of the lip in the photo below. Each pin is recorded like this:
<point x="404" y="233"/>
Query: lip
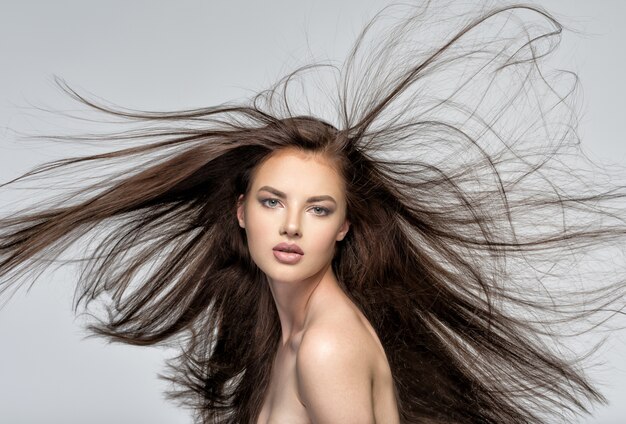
<point x="288" y="253"/>
<point x="288" y="247"/>
<point x="290" y="258"/>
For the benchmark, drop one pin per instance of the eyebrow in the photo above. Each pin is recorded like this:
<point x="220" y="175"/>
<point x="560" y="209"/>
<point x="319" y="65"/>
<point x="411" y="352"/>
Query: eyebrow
<point x="309" y="200"/>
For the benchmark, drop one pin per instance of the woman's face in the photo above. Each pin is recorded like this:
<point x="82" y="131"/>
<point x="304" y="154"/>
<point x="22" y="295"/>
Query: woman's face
<point x="293" y="198"/>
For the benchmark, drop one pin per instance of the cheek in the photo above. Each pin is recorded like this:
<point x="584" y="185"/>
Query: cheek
<point x="261" y="234"/>
<point x="262" y="230"/>
<point x="322" y="239"/>
<point x="257" y="229"/>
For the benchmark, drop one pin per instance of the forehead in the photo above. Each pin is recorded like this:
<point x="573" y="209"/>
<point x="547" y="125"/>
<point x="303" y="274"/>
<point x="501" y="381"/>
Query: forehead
<point x="299" y="171"/>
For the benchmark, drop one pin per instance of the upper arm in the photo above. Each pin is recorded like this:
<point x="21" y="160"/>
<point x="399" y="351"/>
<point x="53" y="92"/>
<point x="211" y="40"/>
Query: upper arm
<point x="334" y="378"/>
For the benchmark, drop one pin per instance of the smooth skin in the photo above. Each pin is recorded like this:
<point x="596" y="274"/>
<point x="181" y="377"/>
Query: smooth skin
<point x="329" y="355"/>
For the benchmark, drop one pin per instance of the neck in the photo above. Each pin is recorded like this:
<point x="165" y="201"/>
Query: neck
<point x="294" y="300"/>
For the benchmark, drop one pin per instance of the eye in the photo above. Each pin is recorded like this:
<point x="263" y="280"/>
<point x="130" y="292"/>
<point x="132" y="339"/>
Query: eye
<point x="323" y="211"/>
<point x="266" y="202"/>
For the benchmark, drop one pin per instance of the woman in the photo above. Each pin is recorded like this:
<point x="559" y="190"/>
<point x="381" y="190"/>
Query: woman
<point x="330" y="365"/>
<point x="427" y="290"/>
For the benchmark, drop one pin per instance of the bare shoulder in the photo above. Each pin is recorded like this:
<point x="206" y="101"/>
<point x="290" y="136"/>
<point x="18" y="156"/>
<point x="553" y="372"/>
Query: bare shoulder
<point x="335" y="370"/>
<point x="345" y="335"/>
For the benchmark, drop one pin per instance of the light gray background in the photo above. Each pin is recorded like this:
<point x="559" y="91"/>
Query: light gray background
<point x="169" y="55"/>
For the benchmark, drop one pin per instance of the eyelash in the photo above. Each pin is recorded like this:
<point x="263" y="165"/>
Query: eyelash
<point x="325" y="211"/>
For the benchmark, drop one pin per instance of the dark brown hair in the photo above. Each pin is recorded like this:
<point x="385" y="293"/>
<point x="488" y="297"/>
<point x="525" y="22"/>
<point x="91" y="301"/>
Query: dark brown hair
<point x="473" y="219"/>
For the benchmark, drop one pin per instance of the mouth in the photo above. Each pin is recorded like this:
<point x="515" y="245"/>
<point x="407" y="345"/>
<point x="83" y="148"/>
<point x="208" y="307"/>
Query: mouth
<point x="287" y="257"/>
<point x="288" y="253"/>
<point x="288" y="248"/>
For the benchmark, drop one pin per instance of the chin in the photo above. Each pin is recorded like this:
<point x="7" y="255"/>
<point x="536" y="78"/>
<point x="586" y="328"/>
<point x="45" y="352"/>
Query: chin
<point x="288" y="273"/>
<point x="277" y="274"/>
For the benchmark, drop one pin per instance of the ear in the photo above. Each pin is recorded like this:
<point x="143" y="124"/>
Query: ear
<point x="240" y="211"/>
<point x="343" y="230"/>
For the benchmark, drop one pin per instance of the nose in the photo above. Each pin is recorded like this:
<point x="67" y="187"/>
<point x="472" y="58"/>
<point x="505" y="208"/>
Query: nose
<point x="291" y="225"/>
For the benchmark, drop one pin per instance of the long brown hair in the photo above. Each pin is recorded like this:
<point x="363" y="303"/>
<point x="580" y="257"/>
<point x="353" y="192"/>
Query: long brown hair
<point x="470" y="206"/>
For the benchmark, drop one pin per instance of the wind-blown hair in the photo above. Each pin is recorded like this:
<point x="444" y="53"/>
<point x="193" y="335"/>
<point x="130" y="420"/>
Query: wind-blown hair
<point x="474" y="222"/>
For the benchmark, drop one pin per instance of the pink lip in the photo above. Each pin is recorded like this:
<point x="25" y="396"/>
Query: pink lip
<point x="288" y="253"/>
<point x="288" y="247"/>
<point x="286" y="257"/>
